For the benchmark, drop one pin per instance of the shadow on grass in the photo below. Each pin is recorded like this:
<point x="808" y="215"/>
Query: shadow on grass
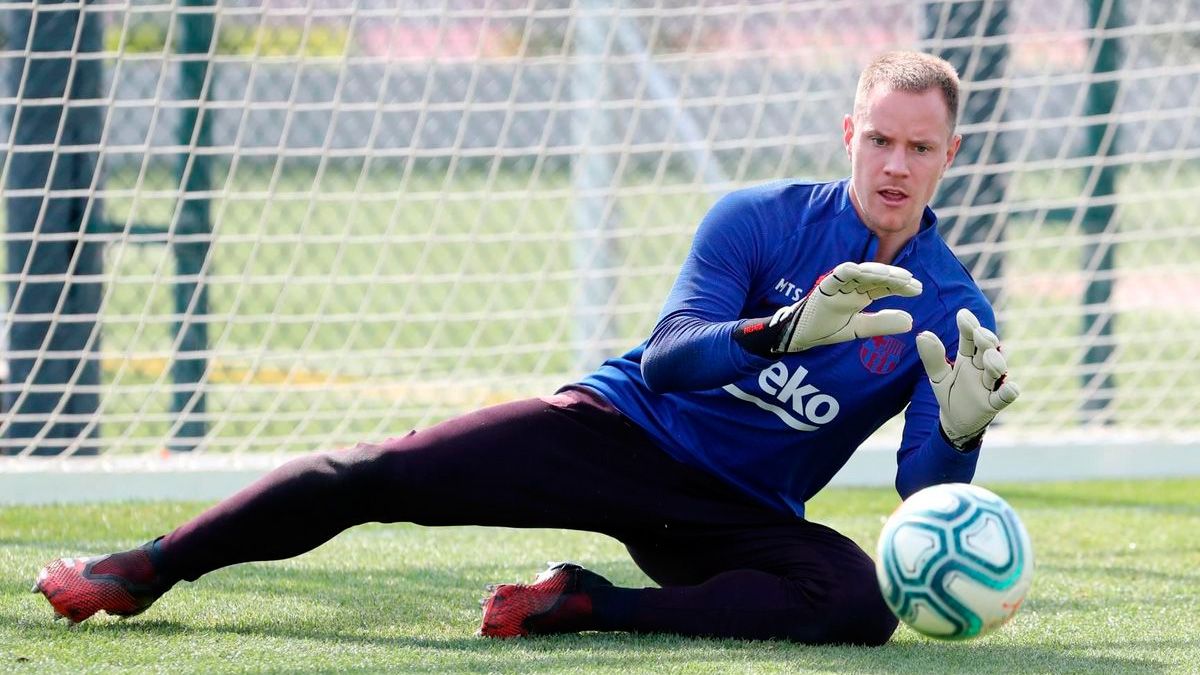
<point x="636" y="653"/>
<point x="394" y="610"/>
<point x="385" y="611"/>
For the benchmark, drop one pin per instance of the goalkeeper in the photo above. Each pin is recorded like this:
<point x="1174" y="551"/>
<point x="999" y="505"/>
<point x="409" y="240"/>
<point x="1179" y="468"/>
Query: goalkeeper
<point x="804" y="317"/>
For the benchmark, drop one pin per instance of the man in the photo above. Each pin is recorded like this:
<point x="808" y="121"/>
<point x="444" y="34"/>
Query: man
<point x="698" y="448"/>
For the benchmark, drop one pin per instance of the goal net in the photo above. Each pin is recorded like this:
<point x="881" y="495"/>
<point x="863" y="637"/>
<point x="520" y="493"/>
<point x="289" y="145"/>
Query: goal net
<point x="302" y="224"/>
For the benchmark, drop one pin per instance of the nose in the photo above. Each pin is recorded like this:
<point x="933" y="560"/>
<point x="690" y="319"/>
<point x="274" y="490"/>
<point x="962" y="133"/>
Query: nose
<point x="897" y="162"/>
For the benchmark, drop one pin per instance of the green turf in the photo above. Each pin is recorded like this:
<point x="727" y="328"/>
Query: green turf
<point x="1117" y="590"/>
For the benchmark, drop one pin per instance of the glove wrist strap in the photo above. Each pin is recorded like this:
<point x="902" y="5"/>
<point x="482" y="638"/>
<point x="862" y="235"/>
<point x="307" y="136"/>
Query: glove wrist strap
<point x="767" y="336"/>
<point x="966" y="445"/>
<point x="758" y="336"/>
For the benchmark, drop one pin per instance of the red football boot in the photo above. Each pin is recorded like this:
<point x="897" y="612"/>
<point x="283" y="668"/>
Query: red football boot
<point x="122" y="584"/>
<point x="557" y="601"/>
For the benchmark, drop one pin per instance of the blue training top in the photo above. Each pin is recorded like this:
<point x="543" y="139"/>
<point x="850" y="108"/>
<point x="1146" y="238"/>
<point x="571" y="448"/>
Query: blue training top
<point x="780" y="429"/>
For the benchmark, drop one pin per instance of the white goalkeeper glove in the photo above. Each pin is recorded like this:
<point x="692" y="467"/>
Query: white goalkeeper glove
<point x="832" y="312"/>
<point x="972" y="389"/>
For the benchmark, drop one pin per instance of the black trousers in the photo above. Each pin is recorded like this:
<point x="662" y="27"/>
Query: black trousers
<point x="728" y="565"/>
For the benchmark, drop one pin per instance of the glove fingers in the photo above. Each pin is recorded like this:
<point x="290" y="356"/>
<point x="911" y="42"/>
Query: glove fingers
<point x="985" y="341"/>
<point x="883" y="322"/>
<point x="967" y="323"/>
<point x="878" y="272"/>
<point x="878" y="280"/>
<point x="843" y="279"/>
<point x="875" y="279"/>
<point x="933" y="356"/>
<point x="1006" y="394"/>
<point x="881" y="272"/>
<point x="908" y="288"/>
<point x="994" y="367"/>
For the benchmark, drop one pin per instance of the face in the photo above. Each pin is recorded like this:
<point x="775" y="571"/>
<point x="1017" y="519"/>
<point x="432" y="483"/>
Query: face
<point x="900" y="144"/>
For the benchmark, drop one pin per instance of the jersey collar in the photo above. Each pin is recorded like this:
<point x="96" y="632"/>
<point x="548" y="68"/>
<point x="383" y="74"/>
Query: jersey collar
<point x="854" y="235"/>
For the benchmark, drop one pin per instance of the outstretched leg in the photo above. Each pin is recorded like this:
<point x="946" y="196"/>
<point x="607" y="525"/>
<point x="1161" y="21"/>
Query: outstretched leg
<point x="566" y="461"/>
<point x="730" y="566"/>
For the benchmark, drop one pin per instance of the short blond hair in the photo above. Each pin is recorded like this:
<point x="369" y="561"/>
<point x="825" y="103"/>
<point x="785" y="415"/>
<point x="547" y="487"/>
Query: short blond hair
<point x="913" y="72"/>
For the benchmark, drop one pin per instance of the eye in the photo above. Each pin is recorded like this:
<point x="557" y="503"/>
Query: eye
<point x="923" y="149"/>
<point x="878" y="141"/>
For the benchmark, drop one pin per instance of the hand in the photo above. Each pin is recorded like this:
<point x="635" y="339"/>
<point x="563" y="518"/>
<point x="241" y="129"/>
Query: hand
<point x="972" y="389"/>
<point x="832" y="312"/>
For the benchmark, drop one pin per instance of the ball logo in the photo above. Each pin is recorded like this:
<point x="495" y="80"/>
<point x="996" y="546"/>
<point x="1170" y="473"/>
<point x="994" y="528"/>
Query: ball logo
<point x="881" y="355"/>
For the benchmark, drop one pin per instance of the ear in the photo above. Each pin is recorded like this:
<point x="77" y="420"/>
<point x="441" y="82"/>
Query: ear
<point x="952" y="151"/>
<point x="848" y="133"/>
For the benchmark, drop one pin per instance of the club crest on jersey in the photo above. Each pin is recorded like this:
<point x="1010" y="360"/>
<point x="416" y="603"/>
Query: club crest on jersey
<point x="881" y="355"/>
<point x="800" y="406"/>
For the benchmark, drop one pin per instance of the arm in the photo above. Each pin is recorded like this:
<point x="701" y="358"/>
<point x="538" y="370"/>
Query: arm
<point x="701" y="343"/>
<point x="952" y="408"/>
<point x="692" y="346"/>
<point x="926" y="457"/>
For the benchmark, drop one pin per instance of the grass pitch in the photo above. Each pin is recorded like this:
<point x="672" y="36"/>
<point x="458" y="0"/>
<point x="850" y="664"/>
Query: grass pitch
<point x="1117" y="589"/>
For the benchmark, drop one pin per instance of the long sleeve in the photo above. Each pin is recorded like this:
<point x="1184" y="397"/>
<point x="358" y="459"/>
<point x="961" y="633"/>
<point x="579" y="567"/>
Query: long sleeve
<point x="925" y="457"/>
<point x="692" y="346"/>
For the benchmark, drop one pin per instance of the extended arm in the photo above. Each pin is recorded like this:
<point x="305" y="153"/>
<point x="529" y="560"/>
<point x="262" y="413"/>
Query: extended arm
<point x="951" y="409"/>
<point x="974" y="387"/>
<point x="833" y="311"/>
<point x="692" y="346"/>
<point x="700" y="341"/>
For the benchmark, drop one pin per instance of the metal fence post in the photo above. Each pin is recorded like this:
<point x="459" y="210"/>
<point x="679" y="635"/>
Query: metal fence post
<point x="1099" y="187"/>
<point x="52" y="396"/>
<point x="192" y="232"/>
<point x="979" y="62"/>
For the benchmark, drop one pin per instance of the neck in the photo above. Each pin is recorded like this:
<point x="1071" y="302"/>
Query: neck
<point x="890" y="245"/>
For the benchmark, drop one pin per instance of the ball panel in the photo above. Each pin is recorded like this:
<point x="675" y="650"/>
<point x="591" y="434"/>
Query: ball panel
<point x="954" y="561"/>
<point x="994" y="606"/>
<point x="984" y="538"/>
<point x="916" y="545"/>
<point x="939" y="505"/>
<point x="994" y="539"/>
<point x="931" y="618"/>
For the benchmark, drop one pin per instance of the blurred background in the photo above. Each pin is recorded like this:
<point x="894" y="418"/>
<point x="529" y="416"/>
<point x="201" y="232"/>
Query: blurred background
<point x="244" y="229"/>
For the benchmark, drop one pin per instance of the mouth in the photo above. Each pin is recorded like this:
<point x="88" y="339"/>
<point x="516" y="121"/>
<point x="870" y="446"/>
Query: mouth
<point x="893" y="196"/>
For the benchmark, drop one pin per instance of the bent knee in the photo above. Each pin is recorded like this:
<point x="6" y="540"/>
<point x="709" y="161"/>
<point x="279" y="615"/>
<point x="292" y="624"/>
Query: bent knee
<point x="862" y="617"/>
<point x="846" y="610"/>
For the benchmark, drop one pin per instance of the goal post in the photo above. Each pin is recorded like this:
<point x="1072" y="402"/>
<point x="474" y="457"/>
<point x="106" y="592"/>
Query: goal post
<point x="335" y="221"/>
<point x="51" y="373"/>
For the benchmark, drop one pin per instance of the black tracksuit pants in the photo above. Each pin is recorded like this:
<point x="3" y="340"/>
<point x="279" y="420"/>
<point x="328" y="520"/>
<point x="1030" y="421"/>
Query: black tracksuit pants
<point x="728" y="565"/>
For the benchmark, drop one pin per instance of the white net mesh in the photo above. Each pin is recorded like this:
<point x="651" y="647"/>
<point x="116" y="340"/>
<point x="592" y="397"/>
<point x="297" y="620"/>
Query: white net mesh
<point x="396" y="211"/>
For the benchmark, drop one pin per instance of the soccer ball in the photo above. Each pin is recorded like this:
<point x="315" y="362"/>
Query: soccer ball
<point x="954" y="561"/>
